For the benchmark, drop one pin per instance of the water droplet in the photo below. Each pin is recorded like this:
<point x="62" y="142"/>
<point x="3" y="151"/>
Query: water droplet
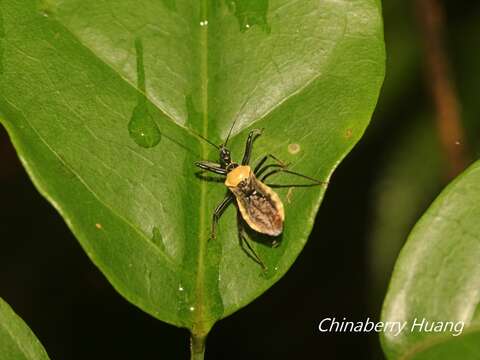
<point x="269" y="272"/>
<point x="47" y="7"/>
<point x="250" y="13"/>
<point x="294" y="148"/>
<point x="142" y="127"/>
<point x="157" y="238"/>
<point x="204" y="23"/>
<point x="184" y="301"/>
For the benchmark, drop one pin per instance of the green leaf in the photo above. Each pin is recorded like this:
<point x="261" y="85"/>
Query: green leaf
<point x="102" y="99"/>
<point x="436" y="279"/>
<point x="17" y="341"/>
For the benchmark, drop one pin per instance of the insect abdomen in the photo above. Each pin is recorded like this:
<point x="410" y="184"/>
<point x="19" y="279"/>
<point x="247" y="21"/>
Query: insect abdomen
<point x="260" y="206"/>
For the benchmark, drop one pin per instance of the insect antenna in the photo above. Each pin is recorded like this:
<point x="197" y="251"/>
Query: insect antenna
<point x="230" y="132"/>
<point x="203" y="138"/>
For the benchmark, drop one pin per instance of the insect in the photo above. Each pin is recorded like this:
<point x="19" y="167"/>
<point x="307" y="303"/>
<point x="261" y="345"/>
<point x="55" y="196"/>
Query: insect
<point x="258" y="205"/>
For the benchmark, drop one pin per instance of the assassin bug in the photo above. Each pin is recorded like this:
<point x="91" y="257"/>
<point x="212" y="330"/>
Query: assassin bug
<point x="258" y="205"/>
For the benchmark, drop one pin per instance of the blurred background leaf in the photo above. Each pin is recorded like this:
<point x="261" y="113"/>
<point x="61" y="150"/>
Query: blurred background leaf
<point x="414" y="166"/>
<point x="436" y="278"/>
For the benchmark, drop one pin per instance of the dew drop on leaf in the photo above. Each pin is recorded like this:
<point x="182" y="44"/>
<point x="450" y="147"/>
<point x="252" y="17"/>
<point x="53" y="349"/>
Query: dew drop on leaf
<point x="143" y="129"/>
<point x="249" y="13"/>
<point x="157" y="238"/>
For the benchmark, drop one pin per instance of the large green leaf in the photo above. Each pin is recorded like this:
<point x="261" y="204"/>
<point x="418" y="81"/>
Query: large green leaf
<point x="437" y="278"/>
<point x="17" y="342"/>
<point x="100" y="99"/>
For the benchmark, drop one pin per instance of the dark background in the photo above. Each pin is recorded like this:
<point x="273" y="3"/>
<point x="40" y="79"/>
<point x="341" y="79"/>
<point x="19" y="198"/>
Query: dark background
<point x="381" y="188"/>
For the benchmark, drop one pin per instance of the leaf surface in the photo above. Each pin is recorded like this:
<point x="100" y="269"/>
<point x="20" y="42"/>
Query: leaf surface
<point x="102" y="100"/>
<point x="17" y="342"/>
<point x="437" y="279"/>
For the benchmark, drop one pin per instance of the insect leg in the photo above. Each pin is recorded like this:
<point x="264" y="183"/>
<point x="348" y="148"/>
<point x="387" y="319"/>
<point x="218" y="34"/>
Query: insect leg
<point x="210" y="166"/>
<point x="259" y="170"/>
<point x="218" y="212"/>
<point x="261" y="162"/>
<point x="276" y="171"/>
<point x="249" y="145"/>
<point x="266" y="167"/>
<point x="245" y="244"/>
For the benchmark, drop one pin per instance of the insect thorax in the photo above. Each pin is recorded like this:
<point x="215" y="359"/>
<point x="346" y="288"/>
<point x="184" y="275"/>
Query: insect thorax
<point x="240" y="174"/>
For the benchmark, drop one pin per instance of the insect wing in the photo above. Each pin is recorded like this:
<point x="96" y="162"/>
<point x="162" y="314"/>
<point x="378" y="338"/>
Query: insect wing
<point x="260" y="206"/>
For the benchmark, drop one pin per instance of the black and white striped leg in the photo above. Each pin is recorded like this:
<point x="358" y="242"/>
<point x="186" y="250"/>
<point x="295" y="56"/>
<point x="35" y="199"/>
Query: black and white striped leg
<point x="265" y="158"/>
<point x="212" y="167"/>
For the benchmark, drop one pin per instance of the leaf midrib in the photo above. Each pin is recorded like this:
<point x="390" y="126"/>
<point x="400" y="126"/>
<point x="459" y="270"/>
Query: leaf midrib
<point x="200" y="311"/>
